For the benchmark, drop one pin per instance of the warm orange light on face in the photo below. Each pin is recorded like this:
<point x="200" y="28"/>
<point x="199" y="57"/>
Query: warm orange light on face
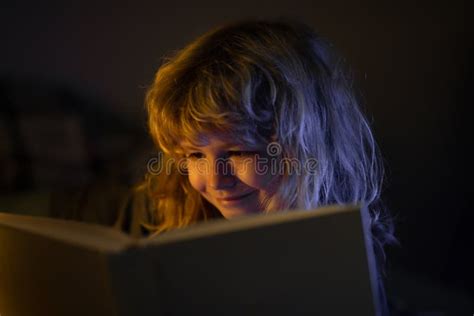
<point x="229" y="175"/>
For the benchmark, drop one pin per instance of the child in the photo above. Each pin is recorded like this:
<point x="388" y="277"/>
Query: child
<point x="247" y="97"/>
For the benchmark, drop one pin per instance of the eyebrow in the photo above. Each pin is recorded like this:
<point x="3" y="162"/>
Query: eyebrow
<point x="188" y="146"/>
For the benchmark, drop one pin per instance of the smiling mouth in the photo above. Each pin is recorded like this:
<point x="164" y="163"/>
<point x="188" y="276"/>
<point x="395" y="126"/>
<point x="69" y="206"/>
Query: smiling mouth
<point x="236" y="198"/>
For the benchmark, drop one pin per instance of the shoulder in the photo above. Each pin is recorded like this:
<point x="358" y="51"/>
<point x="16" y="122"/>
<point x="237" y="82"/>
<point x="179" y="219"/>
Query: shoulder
<point x="134" y="213"/>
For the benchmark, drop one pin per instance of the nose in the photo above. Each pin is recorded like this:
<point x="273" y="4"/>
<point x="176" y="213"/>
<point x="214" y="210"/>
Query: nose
<point x="220" y="175"/>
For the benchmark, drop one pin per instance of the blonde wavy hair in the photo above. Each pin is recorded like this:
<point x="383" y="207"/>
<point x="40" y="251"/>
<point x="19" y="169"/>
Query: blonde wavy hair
<point x="265" y="81"/>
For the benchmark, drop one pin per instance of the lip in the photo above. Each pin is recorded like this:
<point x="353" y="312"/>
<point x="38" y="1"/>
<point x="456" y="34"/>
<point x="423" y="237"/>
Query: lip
<point x="235" y="198"/>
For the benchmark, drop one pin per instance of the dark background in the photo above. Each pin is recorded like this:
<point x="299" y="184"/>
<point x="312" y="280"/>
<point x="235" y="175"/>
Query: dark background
<point x="413" y="63"/>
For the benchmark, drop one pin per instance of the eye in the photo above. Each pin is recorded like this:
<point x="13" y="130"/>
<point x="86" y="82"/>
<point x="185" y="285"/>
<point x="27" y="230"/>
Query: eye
<point x="195" y="155"/>
<point x="242" y="153"/>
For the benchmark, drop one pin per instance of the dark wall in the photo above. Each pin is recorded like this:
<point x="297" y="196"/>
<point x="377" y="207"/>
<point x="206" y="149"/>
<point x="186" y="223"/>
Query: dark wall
<point x="413" y="63"/>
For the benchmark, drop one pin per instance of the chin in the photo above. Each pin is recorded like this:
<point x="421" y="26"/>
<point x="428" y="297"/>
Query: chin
<point x="229" y="213"/>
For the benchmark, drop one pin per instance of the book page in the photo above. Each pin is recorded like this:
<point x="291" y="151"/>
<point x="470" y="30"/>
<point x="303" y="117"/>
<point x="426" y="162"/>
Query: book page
<point x="87" y="235"/>
<point x="222" y="226"/>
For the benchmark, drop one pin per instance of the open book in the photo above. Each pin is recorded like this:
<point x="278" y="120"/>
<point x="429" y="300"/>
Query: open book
<point x="316" y="262"/>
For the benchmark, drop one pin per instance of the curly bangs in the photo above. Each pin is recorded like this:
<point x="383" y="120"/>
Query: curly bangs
<point x="212" y="89"/>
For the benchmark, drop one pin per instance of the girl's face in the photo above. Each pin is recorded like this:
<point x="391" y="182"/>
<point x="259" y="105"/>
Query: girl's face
<point x="236" y="179"/>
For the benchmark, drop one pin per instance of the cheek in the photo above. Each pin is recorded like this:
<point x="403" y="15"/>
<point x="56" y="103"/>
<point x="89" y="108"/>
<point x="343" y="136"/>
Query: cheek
<point x="196" y="180"/>
<point x="255" y="178"/>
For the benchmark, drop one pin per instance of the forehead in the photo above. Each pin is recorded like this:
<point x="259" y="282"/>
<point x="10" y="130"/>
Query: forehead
<point x="218" y="140"/>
